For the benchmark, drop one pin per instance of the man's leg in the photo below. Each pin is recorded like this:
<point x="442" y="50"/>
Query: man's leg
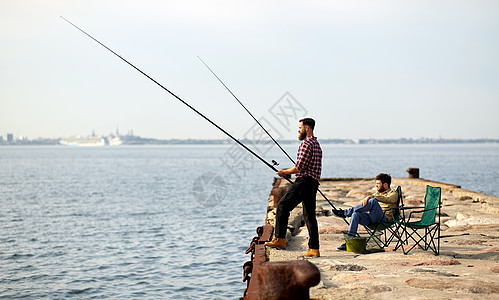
<point x="358" y="217"/>
<point x="290" y="200"/>
<point x="309" y="205"/>
<point x="368" y="214"/>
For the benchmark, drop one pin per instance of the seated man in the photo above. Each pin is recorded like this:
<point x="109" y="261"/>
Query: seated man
<point x="370" y="210"/>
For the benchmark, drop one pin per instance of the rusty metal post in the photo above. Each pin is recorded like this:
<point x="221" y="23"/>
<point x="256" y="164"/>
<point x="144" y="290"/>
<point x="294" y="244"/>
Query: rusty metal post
<point x="282" y="280"/>
<point x="413" y="172"/>
<point x="258" y="253"/>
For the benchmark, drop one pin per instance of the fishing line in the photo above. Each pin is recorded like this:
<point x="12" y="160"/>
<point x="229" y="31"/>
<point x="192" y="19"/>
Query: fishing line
<point x="212" y="72"/>
<point x="278" y="145"/>
<point x="177" y="97"/>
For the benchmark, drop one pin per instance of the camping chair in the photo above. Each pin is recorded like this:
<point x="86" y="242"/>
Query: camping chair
<point x="424" y="231"/>
<point x="389" y="230"/>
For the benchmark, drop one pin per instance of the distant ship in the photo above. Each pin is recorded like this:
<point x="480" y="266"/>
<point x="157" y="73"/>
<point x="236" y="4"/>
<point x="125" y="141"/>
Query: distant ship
<point x="114" y="140"/>
<point x="88" y="141"/>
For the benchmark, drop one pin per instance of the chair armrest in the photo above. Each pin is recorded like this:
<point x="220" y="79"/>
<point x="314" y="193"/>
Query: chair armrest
<point x="419" y="211"/>
<point x="410" y="207"/>
<point x="394" y="208"/>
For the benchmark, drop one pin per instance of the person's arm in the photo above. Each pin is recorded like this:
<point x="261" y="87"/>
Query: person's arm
<point x="364" y="201"/>
<point x="288" y="172"/>
<point x="303" y="154"/>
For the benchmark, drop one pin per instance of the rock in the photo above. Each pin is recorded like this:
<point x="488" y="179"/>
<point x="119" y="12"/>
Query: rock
<point x="410" y="201"/>
<point x="454" y="284"/>
<point x="493" y="249"/>
<point x="295" y="221"/>
<point x="348" y="267"/>
<point x="365" y="291"/>
<point x="472" y="221"/>
<point x="344" y="200"/>
<point x="332" y="229"/>
<point x="436" y="262"/>
<point x="330" y="221"/>
<point x="491" y="207"/>
<point x="435" y="272"/>
<point x="468" y="242"/>
<point x="462" y="216"/>
<point x="398" y="263"/>
<point x="444" y="219"/>
<point x="334" y="194"/>
<point x="494" y="268"/>
<point x="351" y="277"/>
<point x="358" y="193"/>
<point x="483" y="256"/>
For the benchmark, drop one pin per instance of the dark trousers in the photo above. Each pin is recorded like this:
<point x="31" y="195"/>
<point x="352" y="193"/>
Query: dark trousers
<point x="302" y="190"/>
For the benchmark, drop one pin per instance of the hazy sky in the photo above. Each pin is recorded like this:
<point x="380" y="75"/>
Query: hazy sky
<point x="362" y="69"/>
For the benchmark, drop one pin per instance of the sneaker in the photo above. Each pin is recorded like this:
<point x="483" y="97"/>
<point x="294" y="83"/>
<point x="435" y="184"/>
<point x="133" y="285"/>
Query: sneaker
<point x="342" y="247"/>
<point x="339" y="213"/>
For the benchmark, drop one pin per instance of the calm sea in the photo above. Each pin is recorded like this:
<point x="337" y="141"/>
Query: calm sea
<point x="168" y="222"/>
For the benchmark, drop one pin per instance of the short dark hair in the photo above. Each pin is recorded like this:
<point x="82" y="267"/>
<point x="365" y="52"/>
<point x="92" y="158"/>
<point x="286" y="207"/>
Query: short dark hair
<point x="384" y="178"/>
<point x="308" y="121"/>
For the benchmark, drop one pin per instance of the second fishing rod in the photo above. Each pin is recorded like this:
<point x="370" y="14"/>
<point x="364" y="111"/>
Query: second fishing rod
<point x="261" y="126"/>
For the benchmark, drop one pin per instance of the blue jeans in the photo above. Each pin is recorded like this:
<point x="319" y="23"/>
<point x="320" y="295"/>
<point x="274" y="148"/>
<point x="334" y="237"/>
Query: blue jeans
<point x="369" y="214"/>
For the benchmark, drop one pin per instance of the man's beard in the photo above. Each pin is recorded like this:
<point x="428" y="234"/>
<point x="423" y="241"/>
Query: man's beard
<point x="381" y="189"/>
<point x="302" y="135"/>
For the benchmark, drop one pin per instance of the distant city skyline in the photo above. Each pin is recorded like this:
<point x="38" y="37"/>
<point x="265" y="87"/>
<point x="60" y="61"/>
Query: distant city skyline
<point x="131" y="139"/>
<point x="363" y="69"/>
<point x="5" y="136"/>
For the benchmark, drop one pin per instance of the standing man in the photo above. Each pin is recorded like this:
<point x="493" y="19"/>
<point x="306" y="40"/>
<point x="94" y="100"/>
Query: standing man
<point x="372" y="209"/>
<point x="304" y="189"/>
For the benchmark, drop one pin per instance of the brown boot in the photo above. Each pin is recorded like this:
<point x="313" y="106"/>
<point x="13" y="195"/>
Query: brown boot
<point x="313" y="253"/>
<point x="277" y="243"/>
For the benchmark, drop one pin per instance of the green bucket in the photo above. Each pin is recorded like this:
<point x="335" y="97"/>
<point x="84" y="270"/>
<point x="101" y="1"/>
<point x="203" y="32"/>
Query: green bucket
<point x="356" y="244"/>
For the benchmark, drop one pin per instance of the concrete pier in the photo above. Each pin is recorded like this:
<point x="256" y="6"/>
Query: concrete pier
<point x="467" y="267"/>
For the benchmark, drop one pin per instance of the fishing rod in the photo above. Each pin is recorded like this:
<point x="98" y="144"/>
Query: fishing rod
<point x="278" y="145"/>
<point x="178" y="98"/>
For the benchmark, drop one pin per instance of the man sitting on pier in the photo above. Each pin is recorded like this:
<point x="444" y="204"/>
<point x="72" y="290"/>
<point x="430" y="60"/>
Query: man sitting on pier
<point x="304" y="189"/>
<point x="370" y="210"/>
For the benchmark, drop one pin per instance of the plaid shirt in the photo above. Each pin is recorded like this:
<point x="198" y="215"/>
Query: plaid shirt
<point x="309" y="158"/>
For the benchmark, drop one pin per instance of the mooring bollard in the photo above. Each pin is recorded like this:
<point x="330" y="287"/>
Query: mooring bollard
<point x="413" y="172"/>
<point x="283" y="280"/>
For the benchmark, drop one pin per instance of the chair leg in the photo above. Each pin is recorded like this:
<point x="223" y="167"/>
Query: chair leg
<point x="373" y="237"/>
<point x="434" y="234"/>
<point x="402" y="238"/>
<point x="426" y="241"/>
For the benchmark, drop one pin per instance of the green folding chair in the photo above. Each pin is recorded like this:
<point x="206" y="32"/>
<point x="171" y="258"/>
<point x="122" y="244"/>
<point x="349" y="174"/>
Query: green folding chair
<point x="426" y="230"/>
<point x="389" y="230"/>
